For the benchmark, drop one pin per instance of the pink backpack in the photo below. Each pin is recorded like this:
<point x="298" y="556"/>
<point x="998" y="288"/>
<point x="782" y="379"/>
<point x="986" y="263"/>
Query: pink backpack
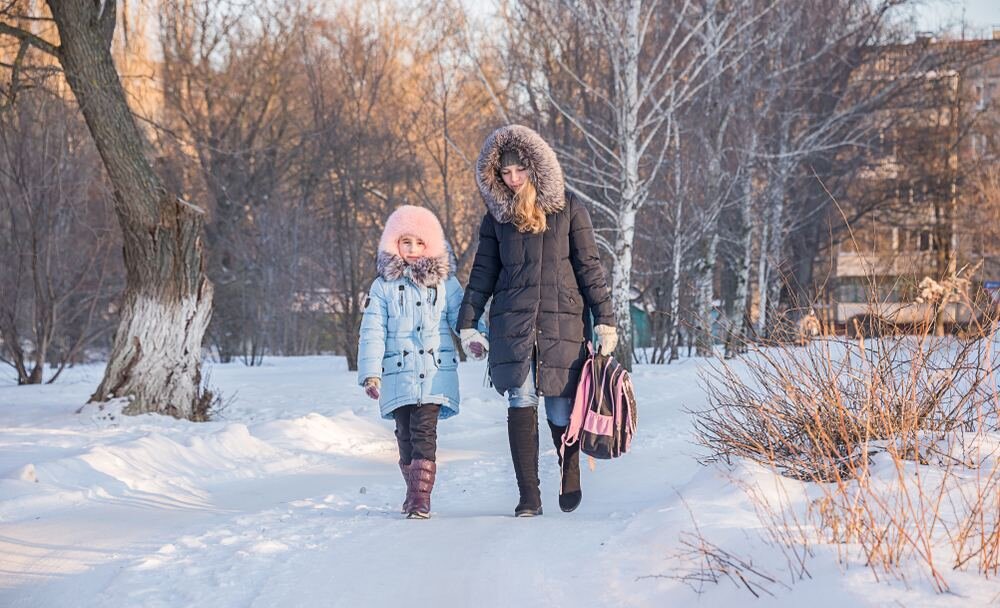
<point x="604" y="416"/>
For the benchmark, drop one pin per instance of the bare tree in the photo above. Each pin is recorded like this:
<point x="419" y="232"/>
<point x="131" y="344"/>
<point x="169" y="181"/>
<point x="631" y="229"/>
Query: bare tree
<point x="59" y="273"/>
<point x="362" y="165"/>
<point x="451" y="112"/>
<point x="156" y="357"/>
<point x="229" y="80"/>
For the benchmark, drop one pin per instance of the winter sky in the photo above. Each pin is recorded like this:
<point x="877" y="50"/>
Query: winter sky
<point x="981" y="15"/>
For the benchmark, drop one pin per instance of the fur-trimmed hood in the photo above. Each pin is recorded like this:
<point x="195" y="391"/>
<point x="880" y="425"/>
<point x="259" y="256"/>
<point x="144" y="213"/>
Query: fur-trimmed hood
<point x="538" y="158"/>
<point x="438" y="262"/>
<point x="426" y="271"/>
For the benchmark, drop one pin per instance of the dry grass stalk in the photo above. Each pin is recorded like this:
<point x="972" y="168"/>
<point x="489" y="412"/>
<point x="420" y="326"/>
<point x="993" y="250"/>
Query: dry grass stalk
<point x="707" y="563"/>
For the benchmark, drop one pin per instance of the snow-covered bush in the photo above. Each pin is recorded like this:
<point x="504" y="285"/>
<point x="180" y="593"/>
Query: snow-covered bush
<point x="897" y="439"/>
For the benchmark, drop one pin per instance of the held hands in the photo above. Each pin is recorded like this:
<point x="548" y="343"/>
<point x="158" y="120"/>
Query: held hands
<point x="607" y="339"/>
<point x="474" y="343"/>
<point x="372" y="385"/>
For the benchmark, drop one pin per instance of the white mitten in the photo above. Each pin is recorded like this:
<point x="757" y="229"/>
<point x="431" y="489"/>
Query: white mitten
<point x="607" y="339"/>
<point x="474" y="343"/>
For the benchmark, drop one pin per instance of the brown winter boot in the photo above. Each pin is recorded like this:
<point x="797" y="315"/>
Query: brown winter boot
<point x="422" y="473"/>
<point x="408" y="501"/>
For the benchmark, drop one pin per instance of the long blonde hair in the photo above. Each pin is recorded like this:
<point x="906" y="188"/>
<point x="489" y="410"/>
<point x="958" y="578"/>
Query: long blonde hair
<point x="528" y="216"/>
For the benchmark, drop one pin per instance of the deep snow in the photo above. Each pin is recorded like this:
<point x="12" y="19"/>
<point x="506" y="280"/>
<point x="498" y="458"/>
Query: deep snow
<point x="290" y="498"/>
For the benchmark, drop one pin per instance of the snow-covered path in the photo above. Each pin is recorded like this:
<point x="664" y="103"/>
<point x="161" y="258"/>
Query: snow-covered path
<point x="291" y="499"/>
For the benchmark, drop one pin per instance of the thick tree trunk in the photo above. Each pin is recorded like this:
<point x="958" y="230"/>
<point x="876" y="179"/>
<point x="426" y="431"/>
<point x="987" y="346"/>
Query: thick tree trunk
<point x="156" y="358"/>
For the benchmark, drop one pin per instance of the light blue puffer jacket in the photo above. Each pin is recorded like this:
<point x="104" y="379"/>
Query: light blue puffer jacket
<point x="406" y="340"/>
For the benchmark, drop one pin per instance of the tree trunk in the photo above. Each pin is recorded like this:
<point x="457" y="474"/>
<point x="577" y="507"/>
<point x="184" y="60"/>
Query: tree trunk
<point x="738" y="315"/>
<point x="704" y="339"/>
<point x="628" y="136"/>
<point x="156" y="358"/>
<point x="772" y="246"/>
<point x="621" y="284"/>
<point x="677" y="252"/>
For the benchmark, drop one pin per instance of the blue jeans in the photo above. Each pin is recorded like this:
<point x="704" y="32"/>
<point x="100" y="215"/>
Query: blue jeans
<point x="557" y="409"/>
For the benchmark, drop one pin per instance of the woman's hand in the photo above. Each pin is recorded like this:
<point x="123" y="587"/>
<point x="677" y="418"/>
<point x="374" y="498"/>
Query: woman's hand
<point x="474" y="343"/>
<point x="607" y="339"/>
<point x="372" y="385"/>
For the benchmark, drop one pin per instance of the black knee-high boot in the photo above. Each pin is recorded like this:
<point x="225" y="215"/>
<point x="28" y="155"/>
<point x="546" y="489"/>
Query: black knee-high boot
<point x="570" y="493"/>
<point x="522" y="431"/>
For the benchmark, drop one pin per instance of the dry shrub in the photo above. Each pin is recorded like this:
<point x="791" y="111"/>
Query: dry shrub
<point x="815" y="413"/>
<point x="897" y="437"/>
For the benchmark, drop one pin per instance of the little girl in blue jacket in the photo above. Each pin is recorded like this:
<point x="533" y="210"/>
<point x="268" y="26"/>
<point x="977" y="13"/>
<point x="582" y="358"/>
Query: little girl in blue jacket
<point x="406" y="355"/>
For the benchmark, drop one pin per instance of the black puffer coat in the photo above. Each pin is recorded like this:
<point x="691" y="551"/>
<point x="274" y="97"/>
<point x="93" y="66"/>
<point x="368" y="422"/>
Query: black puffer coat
<point x="540" y="283"/>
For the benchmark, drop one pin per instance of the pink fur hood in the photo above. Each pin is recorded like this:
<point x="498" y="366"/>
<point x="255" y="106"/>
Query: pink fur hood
<point x="421" y="222"/>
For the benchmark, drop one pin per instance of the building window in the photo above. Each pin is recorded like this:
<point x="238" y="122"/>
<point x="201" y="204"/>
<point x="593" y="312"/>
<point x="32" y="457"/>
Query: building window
<point x="925" y="241"/>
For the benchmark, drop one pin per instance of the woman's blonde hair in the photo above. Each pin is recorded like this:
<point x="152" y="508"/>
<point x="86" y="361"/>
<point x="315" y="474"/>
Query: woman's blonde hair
<point x="528" y="216"/>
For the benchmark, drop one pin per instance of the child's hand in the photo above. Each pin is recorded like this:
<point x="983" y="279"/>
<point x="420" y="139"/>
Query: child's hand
<point x="474" y="343"/>
<point x="372" y="385"/>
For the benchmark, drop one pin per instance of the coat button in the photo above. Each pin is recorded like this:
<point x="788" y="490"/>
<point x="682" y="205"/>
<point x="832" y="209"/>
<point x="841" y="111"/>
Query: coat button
<point x="418" y="328"/>
<point x="418" y="303"/>
<point x="399" y="365"/>
<point x="421" y="375"/>
<point x="439" y="360"/>
<point x="421" y="351"/>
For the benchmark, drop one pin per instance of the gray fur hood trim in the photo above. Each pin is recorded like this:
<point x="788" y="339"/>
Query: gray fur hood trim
<point x="538" y="158"/>
<point x="428" y="272"/>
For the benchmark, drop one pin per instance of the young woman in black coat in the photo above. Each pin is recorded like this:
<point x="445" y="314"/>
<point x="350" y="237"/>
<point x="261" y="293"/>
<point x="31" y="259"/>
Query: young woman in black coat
<point x="538" y="260"/>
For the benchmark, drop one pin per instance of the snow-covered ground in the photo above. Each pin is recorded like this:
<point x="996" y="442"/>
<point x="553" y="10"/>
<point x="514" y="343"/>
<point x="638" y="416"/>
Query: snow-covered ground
<point x="290" y="498"/>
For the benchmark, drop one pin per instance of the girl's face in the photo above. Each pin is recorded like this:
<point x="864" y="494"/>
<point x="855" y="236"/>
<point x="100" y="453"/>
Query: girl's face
<point x="411" y="247"/>
<point x="514" y="176"/>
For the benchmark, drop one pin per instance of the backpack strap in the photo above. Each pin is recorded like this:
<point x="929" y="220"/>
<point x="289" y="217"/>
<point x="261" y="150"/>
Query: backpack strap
<point x="605" y="369"/>
<point x="581" y="403"/>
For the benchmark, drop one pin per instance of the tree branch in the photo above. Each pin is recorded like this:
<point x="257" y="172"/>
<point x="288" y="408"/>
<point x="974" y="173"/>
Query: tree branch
<point x="30" y="38"/>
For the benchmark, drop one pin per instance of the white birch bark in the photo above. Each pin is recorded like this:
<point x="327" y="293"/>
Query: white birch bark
<point x="744" y="261"/>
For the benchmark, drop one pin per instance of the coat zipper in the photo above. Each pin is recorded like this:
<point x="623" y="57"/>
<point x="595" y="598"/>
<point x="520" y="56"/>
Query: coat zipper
<point x="420" y="360"/>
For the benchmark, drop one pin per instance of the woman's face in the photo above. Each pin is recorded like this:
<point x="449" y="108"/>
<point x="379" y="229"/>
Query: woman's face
<point x="411" y="247"/>
<point x="514" y="176"/>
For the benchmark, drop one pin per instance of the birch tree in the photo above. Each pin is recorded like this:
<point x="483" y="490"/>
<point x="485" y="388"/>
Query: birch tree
<point x="658" y="61"/>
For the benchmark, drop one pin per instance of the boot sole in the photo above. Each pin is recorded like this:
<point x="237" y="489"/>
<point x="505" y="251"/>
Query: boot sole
<point x="529" y="513"/>
<point x="416" y="515"/>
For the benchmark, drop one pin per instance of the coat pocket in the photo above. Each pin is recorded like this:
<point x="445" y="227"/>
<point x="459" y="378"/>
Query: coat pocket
<point x="393" y="363"/>
<point x="570" y="299"/>
<point x="446" y="359"/>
